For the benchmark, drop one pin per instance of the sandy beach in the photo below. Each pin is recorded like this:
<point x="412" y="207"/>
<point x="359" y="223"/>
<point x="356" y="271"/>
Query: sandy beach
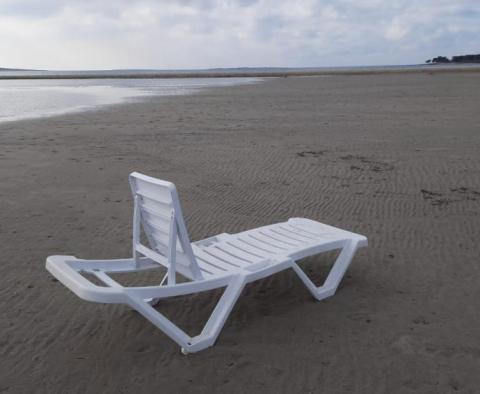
<point x="394" y="157"/>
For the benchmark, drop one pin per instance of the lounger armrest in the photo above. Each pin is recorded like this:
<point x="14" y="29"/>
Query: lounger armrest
<point x="60" y="267"/>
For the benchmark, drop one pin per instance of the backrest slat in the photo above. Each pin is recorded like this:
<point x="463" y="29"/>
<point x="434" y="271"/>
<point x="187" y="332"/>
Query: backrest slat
<point x="148" y="210"/>
<point x="156" y="201"/>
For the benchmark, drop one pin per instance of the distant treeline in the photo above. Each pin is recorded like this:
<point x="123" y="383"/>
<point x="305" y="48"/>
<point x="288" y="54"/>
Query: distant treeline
<point x="455" y="59"/>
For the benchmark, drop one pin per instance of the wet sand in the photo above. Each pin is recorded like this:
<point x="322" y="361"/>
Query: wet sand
<point x="394" y="157"/>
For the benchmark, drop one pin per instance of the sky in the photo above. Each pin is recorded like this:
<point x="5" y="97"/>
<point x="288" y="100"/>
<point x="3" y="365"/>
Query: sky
<point x="188" y="34"/>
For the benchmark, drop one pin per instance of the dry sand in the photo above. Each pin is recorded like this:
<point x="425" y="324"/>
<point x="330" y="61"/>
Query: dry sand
<point x="394" y="157"/>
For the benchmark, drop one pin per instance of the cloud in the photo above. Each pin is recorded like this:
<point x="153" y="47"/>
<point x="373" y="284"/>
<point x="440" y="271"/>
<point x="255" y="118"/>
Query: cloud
<point x="81" y="34"/>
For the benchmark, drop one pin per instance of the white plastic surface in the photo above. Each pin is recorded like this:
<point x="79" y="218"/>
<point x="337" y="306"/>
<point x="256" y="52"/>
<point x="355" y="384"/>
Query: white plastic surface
<point x="226" y="260"/>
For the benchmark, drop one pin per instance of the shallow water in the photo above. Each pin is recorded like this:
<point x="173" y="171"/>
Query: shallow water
<point x="20" y="99"/>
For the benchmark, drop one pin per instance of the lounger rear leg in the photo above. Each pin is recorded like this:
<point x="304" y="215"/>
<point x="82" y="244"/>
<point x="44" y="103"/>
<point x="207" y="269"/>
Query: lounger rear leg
<point x="335" y="275"/>
<point x="212" y="328"/>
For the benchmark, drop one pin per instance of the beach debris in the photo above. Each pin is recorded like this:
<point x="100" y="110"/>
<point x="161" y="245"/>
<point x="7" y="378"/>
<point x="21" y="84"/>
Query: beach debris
<point x="457" y="194"/>
<point x="311" y="153"/>
<point x="363" y="163"/>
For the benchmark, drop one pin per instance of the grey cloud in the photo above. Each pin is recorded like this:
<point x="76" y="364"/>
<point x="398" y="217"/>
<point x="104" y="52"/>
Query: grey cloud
<point x="216" y="33"/>
<point x="29" y="8"/>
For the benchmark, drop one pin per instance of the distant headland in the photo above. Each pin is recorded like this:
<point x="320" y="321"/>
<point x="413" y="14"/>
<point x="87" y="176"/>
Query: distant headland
<point x="455" y="59"/>
<point x="260" y="72"/>
<point x="15" y="69"/>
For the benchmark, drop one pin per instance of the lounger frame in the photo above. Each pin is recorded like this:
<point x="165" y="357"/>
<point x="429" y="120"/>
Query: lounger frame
<point x="231" y="274"/>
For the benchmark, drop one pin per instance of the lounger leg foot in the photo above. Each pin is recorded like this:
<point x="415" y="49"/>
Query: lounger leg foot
<point x="321" y="293"/>
<point x="335" y="275"/>
<point x="184" y="351"/>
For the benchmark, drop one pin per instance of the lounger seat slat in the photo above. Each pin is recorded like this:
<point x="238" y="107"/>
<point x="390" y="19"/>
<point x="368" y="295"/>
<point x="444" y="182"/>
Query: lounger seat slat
<point x="218" y="253"/>
<point x="277" y="231"/>
<point x="211" y="265"/>
<point x="236" y="252"/>
<point x="258" y="236"/>
<point x="291" y="235"/>
<point x="228" y="261"/>
<point x="268" y="232"/>
<point x="206" y="271"/>
<point x="237" y="244"/>
<point x="216" y="261"/>
<point x="251" y="244"/>
<point x="303" y="232"/>
<point x="297" y="233"/>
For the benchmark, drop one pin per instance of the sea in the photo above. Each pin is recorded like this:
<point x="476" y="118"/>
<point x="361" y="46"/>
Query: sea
<point x="35" y="98"/>
<point x="33" y="93"/>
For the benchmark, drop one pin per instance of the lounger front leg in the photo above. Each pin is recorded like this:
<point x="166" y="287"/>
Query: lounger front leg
<point x="212" y="328"/>
<point x="335" y="275"/>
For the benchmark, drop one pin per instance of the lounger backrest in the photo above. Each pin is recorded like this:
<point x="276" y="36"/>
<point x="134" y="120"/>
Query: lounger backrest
<point x="157" y="208"/>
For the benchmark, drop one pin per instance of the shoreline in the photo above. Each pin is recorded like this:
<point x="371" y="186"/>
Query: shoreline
<point x="91" y="95"/>
<point x="464" y="68"/>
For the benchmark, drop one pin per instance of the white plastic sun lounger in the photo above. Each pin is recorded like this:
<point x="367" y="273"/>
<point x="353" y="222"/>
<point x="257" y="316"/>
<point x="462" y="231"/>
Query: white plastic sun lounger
<point x="226" y="260"/>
